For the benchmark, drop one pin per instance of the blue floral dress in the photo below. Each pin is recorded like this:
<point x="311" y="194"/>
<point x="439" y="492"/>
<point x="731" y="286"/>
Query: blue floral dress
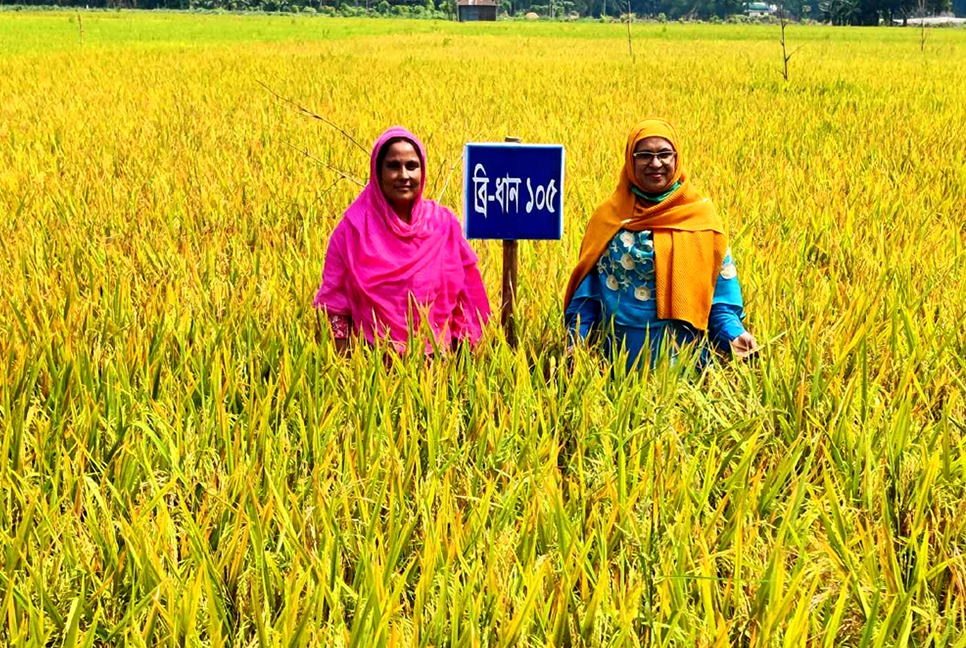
<point x="619" y="296"/>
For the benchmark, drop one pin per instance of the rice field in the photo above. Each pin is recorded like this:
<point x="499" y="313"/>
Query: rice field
<point x="185" y="461"/>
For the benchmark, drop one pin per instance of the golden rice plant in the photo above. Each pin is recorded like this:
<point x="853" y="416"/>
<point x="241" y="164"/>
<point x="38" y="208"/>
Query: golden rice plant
<point x="185" y="460"/>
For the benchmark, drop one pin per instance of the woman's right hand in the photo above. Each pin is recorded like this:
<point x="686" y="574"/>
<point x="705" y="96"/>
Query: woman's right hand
<point x="745" y="346"/>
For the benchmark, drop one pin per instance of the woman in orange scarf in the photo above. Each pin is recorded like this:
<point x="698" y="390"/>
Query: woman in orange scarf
<point x="655" y="267"/>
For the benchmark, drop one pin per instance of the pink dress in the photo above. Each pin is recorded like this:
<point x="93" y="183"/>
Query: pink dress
<point x="384" y="277"/>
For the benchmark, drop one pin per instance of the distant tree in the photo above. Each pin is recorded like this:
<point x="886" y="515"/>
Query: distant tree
<point x="840" y="12"/>
<point x="868" y="12"/>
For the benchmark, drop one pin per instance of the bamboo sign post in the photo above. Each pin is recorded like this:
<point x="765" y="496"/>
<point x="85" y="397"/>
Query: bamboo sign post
<point x="509" y="291"/>
<point x="513" y="192"/>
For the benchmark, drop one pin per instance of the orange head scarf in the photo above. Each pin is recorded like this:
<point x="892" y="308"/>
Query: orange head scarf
<point x="689" y="236"/>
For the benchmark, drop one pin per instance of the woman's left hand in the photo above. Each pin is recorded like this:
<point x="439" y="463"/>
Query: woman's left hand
<point x="744" y="346"/>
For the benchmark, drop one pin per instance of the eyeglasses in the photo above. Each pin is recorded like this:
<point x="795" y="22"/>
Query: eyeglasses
<point x="647" y="157"/>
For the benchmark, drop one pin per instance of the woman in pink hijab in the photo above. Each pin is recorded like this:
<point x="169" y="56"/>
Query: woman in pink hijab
<point x="397" y="258"/>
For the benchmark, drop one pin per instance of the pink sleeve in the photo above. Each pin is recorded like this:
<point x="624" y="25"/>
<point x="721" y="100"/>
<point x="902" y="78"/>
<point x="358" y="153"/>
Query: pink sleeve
<point x="332" y="295"/>
<point x="472" y="306"/>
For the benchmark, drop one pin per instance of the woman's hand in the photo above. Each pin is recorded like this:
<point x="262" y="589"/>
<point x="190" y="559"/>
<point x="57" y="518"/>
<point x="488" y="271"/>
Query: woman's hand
<point x="745" y="346"/>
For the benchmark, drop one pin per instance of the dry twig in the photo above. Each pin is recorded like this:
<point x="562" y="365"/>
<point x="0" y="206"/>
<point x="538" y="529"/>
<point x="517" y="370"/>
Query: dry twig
<point x="328" y="166"/>
<point x="308" y="113"/>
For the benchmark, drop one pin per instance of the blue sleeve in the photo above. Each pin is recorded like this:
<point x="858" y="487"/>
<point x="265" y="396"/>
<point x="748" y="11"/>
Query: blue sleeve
<point x="584" y="307"/>
<point x="727" y="309"/>
<point x="724" y="324"/>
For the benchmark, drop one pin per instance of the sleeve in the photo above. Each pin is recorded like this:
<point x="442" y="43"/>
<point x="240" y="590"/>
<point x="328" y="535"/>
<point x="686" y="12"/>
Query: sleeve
<point x="727" y="310"/>
<point x="583" y="311"/>
<point x="332" y="296"/>
<point x="724" y="324"/>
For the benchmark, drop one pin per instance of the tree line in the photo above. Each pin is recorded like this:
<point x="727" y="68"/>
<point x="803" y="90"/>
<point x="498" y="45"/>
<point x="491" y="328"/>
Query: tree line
<point x="838" y="12"/>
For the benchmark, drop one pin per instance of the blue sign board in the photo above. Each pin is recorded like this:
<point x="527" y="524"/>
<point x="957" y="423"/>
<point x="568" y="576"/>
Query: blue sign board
<point x="513" y="191"/>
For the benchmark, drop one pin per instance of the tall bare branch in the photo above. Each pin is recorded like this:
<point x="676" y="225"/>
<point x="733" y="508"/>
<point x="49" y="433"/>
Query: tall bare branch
<point x="308" y="113"/>
<point x="630" y="47"/>
<point x="922" y="25"/>
<point x="327" y="165"/>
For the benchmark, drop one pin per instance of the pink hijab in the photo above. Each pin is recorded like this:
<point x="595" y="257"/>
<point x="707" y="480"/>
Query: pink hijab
<point x="379" y="269"/>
